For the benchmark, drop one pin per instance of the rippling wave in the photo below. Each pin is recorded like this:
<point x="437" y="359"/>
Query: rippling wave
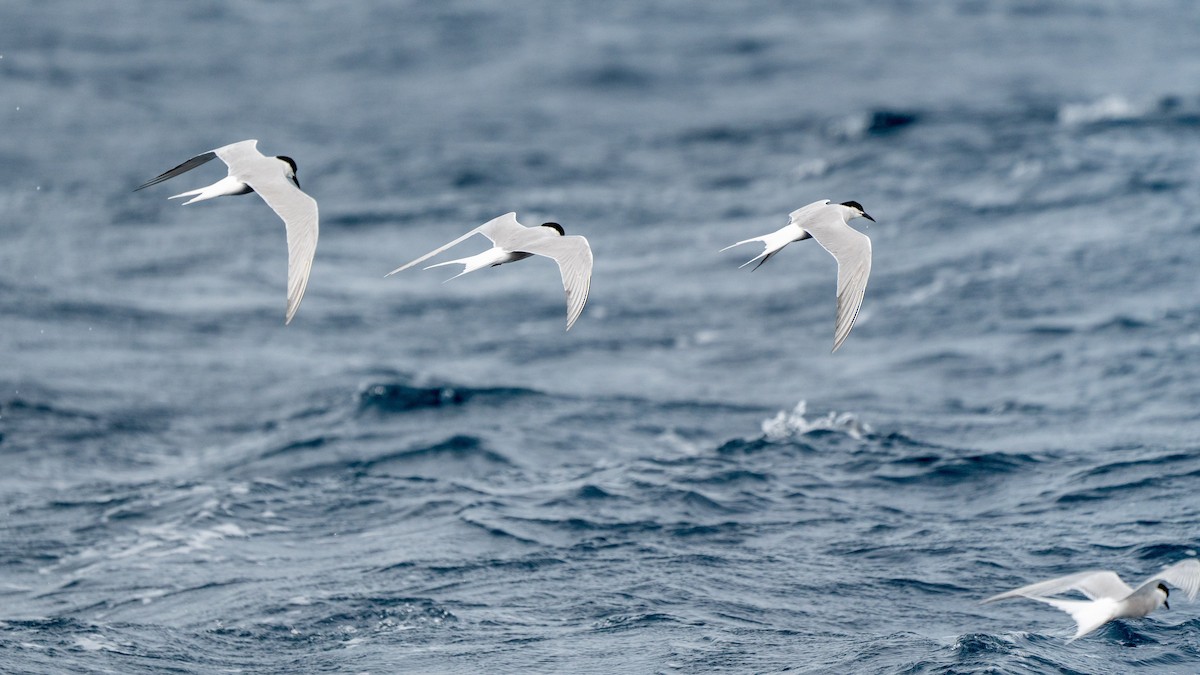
<point x="418" y="476"/>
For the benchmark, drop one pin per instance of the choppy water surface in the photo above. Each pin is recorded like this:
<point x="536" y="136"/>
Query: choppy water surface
<point x="423" y="478"/>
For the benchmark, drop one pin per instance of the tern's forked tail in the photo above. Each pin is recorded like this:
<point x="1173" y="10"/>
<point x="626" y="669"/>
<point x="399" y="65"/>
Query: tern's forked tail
<point x="222" y="188"/>
<point x="470" y="264"/>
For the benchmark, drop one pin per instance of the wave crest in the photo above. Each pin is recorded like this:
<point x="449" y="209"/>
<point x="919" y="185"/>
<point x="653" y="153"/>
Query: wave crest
<point x="786" y="425"/>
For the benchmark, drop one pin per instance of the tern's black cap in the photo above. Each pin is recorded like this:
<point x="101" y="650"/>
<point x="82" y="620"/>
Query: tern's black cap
<point x="856" y="205"/>
<point x="291" y="162"/>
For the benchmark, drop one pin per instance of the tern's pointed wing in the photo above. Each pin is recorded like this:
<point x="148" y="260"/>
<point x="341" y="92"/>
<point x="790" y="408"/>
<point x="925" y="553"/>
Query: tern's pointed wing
<point x="498" y="229"/>
<point x="229" y="154"/>
<point x="805" y="212"/>
<point x="852" y="250"/>
<point x="182" y="168"/>
<point x="1184" y="575"/>
<point x="299" y="214"/>
<point x="1095" y="584"/>
<point x="574" y="258"/>
<point x="236" y="155"/>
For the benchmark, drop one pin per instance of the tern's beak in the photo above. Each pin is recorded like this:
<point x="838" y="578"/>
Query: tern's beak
<point x="868" y="217"/>
<point x="295" y="180"/>
<point x="1166" y="604"/>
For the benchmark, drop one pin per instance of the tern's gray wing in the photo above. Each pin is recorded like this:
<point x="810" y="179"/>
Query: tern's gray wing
<point x="1095" y="584"/>
<point x="299" y="214"/>
<point x="230" y="154"/>
<point x="852" y="250"/>
<point x="238" y="155"/>
<point x="574" y="258"/>
<point x="805" y="212"/>
<point x="503" y="228"/>
<point x="182" y="168"/>
<point x="1184" y="575"/>
<point x="498" y="229"/>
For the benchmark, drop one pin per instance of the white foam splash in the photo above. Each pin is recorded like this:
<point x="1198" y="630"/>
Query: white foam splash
<point x="785" y="425"/>
<point x="1107" y="109"/>
<point x="94" y="643"/>
<point x="181" y="540"/>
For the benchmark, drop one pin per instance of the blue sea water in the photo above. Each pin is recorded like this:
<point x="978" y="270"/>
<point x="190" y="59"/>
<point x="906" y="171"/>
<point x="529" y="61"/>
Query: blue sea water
<point x="417" y="477"/>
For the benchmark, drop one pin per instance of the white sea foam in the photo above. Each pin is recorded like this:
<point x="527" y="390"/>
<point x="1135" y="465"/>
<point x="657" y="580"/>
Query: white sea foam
<point x="1107" y="109"/>
<point x="94" y="643"/>
<point x="186" y="541"/>
<point x="786" y="425"/>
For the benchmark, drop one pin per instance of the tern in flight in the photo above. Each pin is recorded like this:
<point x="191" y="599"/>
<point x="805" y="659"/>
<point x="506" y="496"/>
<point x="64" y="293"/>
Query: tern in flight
<point x="1108" y="597"/>
<point x="512" y="241"/>
<point x="829" y="225"/>
<point x="274" y="179"/>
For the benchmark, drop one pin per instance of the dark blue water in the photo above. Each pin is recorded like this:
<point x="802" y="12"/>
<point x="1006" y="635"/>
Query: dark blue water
<point x="423" y="478"/>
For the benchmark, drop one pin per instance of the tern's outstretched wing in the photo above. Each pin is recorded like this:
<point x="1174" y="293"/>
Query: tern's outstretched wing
<point x="852" y="250"/>
<point x="237" y="154"/>
<point x="297" y="210"/>
<point x="228" y="154"/>
<point x="299" y="214"/>
<point x="805" y="212"/>
<point x="1184" y="575"/>
<point x="498" y="229"/>
<point x="574" y="258"/>
<point x="182" y="168"/>
<point x="1095" y="584"/>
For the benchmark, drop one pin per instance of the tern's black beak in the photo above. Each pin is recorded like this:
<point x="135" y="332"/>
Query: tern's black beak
<point x="868" y="217"/>
<point x="1166" y="604"/>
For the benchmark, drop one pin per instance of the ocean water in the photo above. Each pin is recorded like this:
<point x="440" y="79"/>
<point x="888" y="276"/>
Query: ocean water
<point x="418" y="477"/>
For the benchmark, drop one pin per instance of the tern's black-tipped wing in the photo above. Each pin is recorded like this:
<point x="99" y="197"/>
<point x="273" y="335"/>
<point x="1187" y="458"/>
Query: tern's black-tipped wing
<point x="182" y="168"/>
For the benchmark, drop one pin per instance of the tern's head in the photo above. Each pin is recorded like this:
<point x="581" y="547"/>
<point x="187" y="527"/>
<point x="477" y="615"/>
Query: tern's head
<point x="291" y="174"/>
<point x="1165" y="594"/>
<point x="556" y="227"/>
<point x="856" y="211"/>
